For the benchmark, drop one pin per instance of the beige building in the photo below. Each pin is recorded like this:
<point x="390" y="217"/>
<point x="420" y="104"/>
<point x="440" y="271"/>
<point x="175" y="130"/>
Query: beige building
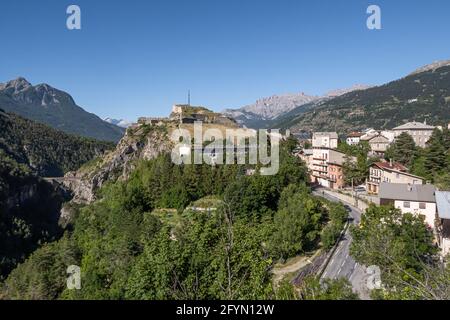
<point x="379" y="145"/>
<point x="354" y="138"/>
<point x="327" y="140"/>
<point x="420" y="132"/>
<point x="387" y="172"/>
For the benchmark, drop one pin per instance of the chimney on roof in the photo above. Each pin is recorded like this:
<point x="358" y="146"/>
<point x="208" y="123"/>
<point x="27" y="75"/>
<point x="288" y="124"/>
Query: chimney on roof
<point x="390" y="162"/>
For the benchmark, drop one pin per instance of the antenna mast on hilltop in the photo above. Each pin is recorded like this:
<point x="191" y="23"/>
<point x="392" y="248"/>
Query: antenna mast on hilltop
<point x="189" y="97"/>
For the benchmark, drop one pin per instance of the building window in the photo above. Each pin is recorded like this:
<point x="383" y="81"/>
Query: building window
<point x="422" y="205"/>
<point x="406" y="204"/>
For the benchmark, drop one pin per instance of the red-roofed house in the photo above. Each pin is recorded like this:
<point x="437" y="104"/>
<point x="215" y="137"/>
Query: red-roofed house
<point x="391" y="173"/>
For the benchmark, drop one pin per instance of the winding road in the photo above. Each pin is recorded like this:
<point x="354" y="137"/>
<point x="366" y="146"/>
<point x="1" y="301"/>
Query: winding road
<point x="341" y="264"/>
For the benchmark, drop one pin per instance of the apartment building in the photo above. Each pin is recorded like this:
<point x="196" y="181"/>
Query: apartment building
<point x="378" y="145"/>
<point x="327" y="168"/>
<point x="389" y="172"/>
<point x="420" y="132"/>
<point x="328" y="140"/>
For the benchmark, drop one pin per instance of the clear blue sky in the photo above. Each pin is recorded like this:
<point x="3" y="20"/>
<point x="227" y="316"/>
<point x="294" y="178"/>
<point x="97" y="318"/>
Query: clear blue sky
<point x="135" y="58"/>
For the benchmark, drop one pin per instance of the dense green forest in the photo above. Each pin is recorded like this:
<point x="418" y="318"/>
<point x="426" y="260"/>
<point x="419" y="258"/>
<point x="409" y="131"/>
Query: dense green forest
<point x="143" y="240"/>
<point x="29" y="212"/>
<point x="46" y="151"/>
<point x="29" y="206"/>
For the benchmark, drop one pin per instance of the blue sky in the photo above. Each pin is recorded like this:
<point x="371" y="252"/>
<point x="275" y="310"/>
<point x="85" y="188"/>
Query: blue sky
<point x="135" y="58"/>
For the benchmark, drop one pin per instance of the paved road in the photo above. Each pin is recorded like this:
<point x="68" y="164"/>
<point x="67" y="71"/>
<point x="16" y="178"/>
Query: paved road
<point x="341" y="264"/>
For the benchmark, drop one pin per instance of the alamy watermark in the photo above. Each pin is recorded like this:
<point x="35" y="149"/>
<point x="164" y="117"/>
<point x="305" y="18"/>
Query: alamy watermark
<point x="238" y="146"/>
<point x="73" y="21"/>
<point x="374" y="20"/>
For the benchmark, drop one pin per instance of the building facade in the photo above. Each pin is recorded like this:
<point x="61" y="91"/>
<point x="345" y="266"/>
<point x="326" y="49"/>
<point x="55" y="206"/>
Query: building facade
<point x="420" y="132"/>
<point x="416" y="199"/>
<point x="387" y="172"/>
<point x="353" y="138"/>
<point x="378" y="145"/>
<point x="328" y="140"/>
<point x="327" y="168"/>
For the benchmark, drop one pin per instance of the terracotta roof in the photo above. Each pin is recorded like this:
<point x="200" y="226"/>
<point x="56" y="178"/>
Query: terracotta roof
<point x="387" y="165"/>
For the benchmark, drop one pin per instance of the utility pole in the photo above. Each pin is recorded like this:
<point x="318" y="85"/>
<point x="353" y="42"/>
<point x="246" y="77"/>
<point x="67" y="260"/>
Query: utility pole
<point x="189" y="98"/>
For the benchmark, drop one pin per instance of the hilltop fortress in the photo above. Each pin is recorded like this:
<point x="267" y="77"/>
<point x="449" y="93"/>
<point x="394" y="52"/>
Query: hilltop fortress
<point x="186" y="114"/>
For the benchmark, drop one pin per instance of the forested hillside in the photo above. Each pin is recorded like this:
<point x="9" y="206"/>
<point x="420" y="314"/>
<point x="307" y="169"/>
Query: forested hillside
<point x="29" y="213"/>
<point x="143" y="240"/>
<point x="47" y="152"/>
<point x="419" y="96"/>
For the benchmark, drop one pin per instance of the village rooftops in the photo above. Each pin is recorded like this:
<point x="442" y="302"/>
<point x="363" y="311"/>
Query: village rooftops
<point x="443" y="204"/>
<point x="407" y="192"/>
<point x="414" y="126"/>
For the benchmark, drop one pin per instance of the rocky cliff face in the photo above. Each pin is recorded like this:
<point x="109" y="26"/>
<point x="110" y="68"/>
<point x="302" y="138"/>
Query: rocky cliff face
<point x="142" y="142"/>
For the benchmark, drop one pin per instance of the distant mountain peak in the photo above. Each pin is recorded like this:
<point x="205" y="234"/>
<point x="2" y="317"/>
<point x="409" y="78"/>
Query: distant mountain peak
<point x="275" y="106"/>
<point x="118" y="122"/>
<point x="18" y="84"/>
<point x="432" y="66"/>
<point x="340" y="92"/>
<point x="54" y="107"/>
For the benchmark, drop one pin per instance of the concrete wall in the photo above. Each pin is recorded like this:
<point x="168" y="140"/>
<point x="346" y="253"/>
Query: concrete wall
<point x="348" y="199"/>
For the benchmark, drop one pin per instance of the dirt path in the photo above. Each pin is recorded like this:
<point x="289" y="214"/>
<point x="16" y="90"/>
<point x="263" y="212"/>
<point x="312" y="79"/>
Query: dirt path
<point x="293" y="265"/>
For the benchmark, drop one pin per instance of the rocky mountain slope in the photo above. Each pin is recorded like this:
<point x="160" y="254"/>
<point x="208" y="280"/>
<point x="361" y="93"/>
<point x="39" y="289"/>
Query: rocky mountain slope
<point x="142" y="141"/>
<point x="264" y="111"/>
<point x="419" y="96"/>
<point x="55" y="108"/>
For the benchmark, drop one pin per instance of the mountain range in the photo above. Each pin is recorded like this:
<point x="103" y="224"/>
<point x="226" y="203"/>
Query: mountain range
<point x="265" y="110"/>
<point x="119" y="122"/>
<point x="423" y="95"/>
<point x="56" y="108"/>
